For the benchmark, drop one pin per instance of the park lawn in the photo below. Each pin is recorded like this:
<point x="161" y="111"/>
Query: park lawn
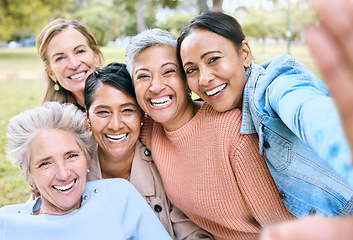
<point x="22" y="86"/>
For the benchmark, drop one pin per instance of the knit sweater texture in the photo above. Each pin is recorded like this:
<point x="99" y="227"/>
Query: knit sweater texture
<point x="216" y="175"/>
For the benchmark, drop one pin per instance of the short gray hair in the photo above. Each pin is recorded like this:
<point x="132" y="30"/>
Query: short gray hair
<point x="24" y="127"/>
<point x="146" y="39"/>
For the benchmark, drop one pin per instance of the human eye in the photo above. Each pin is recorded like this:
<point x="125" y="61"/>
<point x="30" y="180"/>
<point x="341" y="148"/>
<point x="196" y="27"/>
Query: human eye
<point x="142" y="77"/>
<point x="73" y="155"/>
<point x="43" y="164"/>
<point x="128" y="112"/>
<point x="58" y="59"/>
<point x="102" y="113"/>
<point x="81" y="51"/>
<point x="168" y="71"/>
<point x="190" y="71"/>
<point x="213" y="59"/>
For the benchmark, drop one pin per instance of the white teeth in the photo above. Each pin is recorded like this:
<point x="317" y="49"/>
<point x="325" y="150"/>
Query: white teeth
<point x="216" y="90"/>
<point x="119" y="137"/>
<point x="65" y="187"/>
<point x="78" y="75"/>
<point x="160" y="102"/>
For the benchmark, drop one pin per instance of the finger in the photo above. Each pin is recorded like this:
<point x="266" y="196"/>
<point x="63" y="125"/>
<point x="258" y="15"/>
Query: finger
<point x="337" y="73"/>
<point x="336" y="16"/>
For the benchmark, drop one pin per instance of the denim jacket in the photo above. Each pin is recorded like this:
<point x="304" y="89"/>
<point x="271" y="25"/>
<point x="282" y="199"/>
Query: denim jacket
<point x="301" y="137"/>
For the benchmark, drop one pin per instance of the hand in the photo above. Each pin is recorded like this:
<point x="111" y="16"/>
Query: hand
<point x="331" y="45"/>
<point x="311" y="228"/>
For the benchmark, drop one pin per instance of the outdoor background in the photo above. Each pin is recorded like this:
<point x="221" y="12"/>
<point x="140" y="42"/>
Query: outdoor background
<point x="272" y="27"/>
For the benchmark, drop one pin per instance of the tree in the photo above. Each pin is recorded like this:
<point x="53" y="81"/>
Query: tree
<point x="103" y="21"/>
<point x="21" y="18"/>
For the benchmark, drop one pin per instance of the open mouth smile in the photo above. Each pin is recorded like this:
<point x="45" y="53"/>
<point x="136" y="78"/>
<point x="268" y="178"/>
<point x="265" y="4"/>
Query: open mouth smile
<point x="63" y="188"/>
<point x="216" y="91"/>
<point x="161" y="102"/>
<point x="116" y="138"/>
<point x="77" y="76"/>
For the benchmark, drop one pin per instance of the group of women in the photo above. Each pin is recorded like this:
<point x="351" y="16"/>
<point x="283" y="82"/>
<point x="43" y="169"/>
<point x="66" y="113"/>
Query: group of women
<point x="264" y="145"/>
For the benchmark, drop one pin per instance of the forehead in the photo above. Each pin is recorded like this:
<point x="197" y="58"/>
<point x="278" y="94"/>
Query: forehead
<point x="107" y="94"/>
<point x="50" y="141"/>
<point x="159" y="53"/>
<point x="67" y="39"/>
<point x="204" y="40"/>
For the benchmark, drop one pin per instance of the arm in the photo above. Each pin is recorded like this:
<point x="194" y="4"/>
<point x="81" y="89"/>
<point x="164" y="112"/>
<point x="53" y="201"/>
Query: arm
<point x="335" y="35"/>
<point x="311" y="228"/>
<point x="306" y="109"/>
<point x="184" y="228"/>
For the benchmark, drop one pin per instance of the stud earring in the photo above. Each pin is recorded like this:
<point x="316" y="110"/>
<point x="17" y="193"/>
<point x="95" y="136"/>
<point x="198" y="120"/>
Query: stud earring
<point x="56" y="86"/>
<point x="141" y="124"/>
<point x="88" y="171"/>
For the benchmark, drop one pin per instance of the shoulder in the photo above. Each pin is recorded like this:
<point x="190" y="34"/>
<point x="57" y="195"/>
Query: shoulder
<point x="17" y="208"/>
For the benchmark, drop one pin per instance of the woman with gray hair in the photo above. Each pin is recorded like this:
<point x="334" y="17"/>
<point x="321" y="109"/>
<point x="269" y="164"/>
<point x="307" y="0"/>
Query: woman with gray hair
<point x="51" y="146"/>
<point x="210" y="171"/>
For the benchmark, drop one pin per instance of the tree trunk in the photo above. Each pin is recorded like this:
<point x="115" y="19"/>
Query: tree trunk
<point x="202" y="6"/>
<point x="141" y="22"/>
<point x="217" y="6"/>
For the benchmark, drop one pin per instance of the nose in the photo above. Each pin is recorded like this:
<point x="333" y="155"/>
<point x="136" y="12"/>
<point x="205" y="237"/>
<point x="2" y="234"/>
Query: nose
<point x="74" y="62"/>
<point x="206" y="76"/>
<point x="157" y="84"/>
<point x="115" y="122"/>
<point x="63" y="172"/>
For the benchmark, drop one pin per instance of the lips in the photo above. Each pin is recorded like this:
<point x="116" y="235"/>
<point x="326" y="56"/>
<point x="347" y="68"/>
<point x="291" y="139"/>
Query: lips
<point x="161" y="102"/>
<point x="116" y="137"/>
<point x="66" y="187"/>
<point x="78" y="75"/>
<point x="216" y="91"/>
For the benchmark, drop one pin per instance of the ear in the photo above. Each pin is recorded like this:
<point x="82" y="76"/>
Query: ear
<point x="245" y="53"/>
<point x="87" y="122"/>
<point x="51" y="74"/>
<point x="96" y="59"/>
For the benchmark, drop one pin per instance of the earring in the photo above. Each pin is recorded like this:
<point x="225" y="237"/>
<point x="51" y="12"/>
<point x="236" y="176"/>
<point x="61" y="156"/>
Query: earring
<point x="89" y="123"/>
<point x="96" y="67"/>
<point x="247" y="70"/>
<point x="141" y="124"/>
<point x="88" y="171"/>
<point x="56" y="86"/>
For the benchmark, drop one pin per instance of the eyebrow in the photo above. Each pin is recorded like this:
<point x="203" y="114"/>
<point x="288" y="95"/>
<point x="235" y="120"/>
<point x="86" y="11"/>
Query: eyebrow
<point x="60" y="53"/>
<point x="122" y="105"/>
<point x="202" y="56"/>
<point x="163" y="65"/>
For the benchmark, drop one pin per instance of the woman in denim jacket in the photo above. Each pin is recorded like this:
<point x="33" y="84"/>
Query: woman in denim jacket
<point x="299" y="129"/>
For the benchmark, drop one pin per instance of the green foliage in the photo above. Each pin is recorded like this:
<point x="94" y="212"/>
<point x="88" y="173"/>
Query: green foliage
<point x="103" y="21"/>
<point x="21" y="18"/>
<point x="176" y="22"/>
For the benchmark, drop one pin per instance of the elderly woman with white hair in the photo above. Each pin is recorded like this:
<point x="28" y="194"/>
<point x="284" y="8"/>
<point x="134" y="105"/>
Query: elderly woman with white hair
<point x="51" y="146"/>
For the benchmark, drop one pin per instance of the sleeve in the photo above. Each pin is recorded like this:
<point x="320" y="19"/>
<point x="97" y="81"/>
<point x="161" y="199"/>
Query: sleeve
<point x="301" y="102"/>
<point x="184" y="228"/>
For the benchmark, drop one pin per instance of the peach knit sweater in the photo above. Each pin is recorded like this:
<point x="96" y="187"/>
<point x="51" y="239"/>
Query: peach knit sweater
<point x="216" y="175"/>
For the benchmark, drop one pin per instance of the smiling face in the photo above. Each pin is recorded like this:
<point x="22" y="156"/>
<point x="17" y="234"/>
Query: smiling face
<point x="115" y="122"/>
<point x="58" y="168"/>
<point x="160" y="88"/>
<point x="71" y="60"/>
<point x="215" y="68"/>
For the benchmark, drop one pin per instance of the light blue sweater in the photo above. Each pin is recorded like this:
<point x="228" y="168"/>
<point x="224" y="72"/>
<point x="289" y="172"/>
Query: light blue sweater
<point x="110" y="209"/>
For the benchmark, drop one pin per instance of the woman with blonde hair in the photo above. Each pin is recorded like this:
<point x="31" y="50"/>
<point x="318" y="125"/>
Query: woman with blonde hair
<point x="70" y="53"/>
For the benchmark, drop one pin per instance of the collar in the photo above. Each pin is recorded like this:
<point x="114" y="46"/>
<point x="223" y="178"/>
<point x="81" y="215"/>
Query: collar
<point x="247" y="123"/>
<point x="141" y="173"/>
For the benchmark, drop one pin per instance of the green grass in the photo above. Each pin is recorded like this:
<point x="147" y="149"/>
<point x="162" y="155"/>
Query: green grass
<point x="22" y="87"/>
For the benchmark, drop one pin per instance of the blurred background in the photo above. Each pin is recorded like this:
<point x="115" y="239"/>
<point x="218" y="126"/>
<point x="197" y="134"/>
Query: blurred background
<point x="271" y="26"/>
